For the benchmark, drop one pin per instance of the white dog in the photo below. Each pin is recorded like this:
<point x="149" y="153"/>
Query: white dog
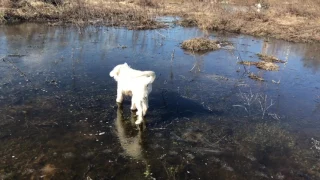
<point x="135" y="83"/>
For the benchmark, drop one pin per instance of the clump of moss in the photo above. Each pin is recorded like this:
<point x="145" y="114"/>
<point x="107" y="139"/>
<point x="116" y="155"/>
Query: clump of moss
<point x="200" y="44"/>
<point x="269" y="66"/>
<point x="267" y="58"/>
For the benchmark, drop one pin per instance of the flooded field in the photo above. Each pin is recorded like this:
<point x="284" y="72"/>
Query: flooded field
<point x="206" y="120"/>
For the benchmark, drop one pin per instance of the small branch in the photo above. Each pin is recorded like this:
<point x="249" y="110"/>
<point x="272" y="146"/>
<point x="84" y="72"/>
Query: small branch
<point x="172" y="55"/>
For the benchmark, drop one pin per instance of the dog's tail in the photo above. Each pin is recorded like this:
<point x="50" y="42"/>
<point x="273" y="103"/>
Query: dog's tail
<point x="151" y="76"/>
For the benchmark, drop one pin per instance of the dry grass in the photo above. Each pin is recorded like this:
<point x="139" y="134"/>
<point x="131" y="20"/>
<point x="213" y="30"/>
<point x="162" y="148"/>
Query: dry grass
<point x="108" y="12"/>
<point x="187" y="22"/>
<point x="247" y="63"/>
<point x="267" y="58"/>
<point x="279" y="20"/>
<point x="269" y="66"/>
<point x="295" y="20"/>
<point x="255" y="77"/>
<point x="200" y="44"/>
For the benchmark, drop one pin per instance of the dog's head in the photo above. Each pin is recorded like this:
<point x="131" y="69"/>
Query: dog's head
<point x="116" y="70"/>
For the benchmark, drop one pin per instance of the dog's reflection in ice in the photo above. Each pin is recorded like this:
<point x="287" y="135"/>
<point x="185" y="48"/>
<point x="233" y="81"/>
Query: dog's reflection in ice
<point x="130" y="138"/>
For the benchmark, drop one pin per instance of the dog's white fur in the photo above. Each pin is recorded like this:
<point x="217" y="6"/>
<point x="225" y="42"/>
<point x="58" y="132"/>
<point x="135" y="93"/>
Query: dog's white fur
<point x="135" y="83"/>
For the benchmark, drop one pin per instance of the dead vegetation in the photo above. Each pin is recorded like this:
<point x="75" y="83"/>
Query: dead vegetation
<point x="248" y="63"/>
<point x="266" y="63"/>
<point x="187" y="22"/>
<point x="294" y="20"/>
<point x="112" y="13"/>
<point x="200" y="44"/>
<point x="269" y="66"/>
<point x="255" y="77"/>
<point x="267" y="58"/>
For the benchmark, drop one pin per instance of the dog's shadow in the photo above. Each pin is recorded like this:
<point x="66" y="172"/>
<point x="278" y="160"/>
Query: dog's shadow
<point x="165" y="105"/>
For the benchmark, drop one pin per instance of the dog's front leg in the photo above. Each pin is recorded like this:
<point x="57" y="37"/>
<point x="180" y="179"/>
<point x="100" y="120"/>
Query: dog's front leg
<point x="139" y="113"/>
<point x="133" y="102"/>
<point x="139" y="118"/>
<point x="133" y="105"/>
<point x="119" y="95"/>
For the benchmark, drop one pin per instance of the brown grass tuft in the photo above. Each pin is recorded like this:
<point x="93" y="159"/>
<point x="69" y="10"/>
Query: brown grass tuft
<point x="200" y="44"/>
<point x="267" y="58"/>
<point x="295" y="20"/>
<point x="150" y="3"/>
<point x="247" y="63"/>
<point x="187" y="22"/>
<point x="269" y="66"/>
<point x="255" y="77"/>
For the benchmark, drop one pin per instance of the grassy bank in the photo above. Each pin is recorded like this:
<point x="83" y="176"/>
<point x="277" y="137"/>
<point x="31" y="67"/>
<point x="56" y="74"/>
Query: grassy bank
<point x="295" y="20"/>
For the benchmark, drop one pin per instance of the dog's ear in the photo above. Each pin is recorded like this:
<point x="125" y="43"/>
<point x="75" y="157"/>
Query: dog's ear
<point x="115" y="72"/>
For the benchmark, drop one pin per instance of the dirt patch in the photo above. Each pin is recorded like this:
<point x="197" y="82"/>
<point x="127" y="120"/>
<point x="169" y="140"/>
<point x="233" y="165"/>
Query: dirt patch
<point x="255" y="77"/>
<point x="267" y="58"/>
<point x="200" y="44"/>
<point x="269" y="66"/>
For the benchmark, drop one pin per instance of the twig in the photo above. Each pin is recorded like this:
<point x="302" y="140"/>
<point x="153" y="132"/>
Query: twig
<point x="241" y="106"/>
<point x="263" y="104"/>
<point x="161" y="34"/>
<point x="16" y="68"/>
<point x="172" y="55"/>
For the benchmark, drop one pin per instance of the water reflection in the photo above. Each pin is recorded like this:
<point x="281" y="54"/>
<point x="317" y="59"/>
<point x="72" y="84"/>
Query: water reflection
<point x="129" y="137"/>
<point x="287" y="51"/>
<point x="132" y="137"/>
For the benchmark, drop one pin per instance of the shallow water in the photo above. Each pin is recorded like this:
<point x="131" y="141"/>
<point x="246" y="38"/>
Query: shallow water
<point x="206" y="118"/>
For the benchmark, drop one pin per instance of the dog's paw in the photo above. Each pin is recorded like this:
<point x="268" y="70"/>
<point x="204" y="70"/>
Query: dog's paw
<point x="119" y="100"/>
<point x="139" y="121"/>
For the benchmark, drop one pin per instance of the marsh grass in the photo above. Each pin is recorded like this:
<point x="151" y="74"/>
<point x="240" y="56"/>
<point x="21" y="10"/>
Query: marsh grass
<point x="269" y="66"/>
<point x="108" y="12"/>
<point x="294" y="20"/>
<point x="255" y="77"/>
<point x="200" y="44"/>
<point x="267" y="58"/>
<point x="247" y="63"/>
